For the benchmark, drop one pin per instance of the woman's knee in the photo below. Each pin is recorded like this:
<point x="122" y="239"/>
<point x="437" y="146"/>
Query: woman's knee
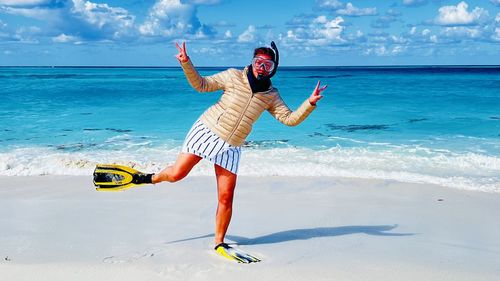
<point x="177" y="174"/>
<point x="226" y="198"/>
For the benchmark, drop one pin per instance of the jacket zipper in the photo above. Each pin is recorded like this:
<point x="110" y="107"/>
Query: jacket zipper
<point x="246" y="106"/>
<point x="245" y="79"/>
<point x="240" y="118"/>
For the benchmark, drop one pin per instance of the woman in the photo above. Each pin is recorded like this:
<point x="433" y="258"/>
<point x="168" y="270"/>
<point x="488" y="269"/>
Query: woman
<point x="221" y="130"/>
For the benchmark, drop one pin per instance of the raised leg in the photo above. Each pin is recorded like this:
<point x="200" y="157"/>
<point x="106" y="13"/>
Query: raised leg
<point x="181" y="168"/>
<point x="226" y="183"/>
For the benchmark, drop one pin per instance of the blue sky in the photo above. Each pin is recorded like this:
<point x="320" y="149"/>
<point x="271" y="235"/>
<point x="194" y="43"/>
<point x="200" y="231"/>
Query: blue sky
<point x="225" y="32"/>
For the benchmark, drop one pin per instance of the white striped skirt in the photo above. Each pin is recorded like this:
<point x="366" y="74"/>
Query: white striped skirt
<point x="203" y="142"/>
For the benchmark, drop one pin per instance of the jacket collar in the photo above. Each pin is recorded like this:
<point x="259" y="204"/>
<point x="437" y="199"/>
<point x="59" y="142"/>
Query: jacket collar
<point x="244" y="74"/>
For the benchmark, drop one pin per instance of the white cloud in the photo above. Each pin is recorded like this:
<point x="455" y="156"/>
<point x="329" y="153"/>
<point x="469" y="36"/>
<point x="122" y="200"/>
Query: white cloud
<point x="417" y="37"/>
<point x="382" y="50"/>
<point x="378" y="37"/>
<point x="114" y="21"/>
<point x="24" y="34"/>
<point x="496" y="35"/>
<point x="3" y="31"/>
<point x="352" y="11"/>
<point x="458" y="33"/>
<point x="398" y="50"/>
<point x="248" y="35"/>
<point x="330" y="4"/>
<point x="319" y="31"/>
<point x="208" y="51"/>
<point x="495" y="2"/>
<point x="228" y="34"/>
<point x="63" y="38"/>
<point x="23" y="2"/>
<point x="172" y="18"/>
<point x="459" y="15"/>
<point x="328" y="29"/>
<point x="414" y="3"/>
<point x="398" y="39"/>
<point x="36" y="13"/>
<point x="89" y="20"/>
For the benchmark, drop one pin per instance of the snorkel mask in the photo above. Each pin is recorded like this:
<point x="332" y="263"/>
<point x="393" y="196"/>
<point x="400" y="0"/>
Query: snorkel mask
<point x="266" y="67"/>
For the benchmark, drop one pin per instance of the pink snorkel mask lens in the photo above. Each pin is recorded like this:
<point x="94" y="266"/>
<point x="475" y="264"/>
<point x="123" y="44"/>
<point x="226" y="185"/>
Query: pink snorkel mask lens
<point x="258" y="63"/>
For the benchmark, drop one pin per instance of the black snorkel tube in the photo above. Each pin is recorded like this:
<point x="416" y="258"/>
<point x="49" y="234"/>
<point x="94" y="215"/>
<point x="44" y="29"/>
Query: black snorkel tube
<point x="276" y="58"/>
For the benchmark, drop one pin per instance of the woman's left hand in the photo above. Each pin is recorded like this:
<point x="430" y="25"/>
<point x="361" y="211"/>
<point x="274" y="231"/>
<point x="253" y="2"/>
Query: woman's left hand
<point x="316" y="94"/>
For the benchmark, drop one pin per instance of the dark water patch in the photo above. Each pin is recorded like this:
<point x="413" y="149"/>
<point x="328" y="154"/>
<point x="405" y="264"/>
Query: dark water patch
<point x="118" y="130"/>
<point x="495" y="117"/>
<point x="86" y="113"/>
<point x="417" y="120"/>
<point x="52" y="76"/>
<point x="326" y="76"/>
<point x="68" y="130"/>
<point x="354" y="128"/>
<point x="74" y="146"/>
<point x="317" y="134"/>
<point x="265" y="143"/>
<point x="109" y="129"/>
<point x="7" y="130"/>
<point x="426" y="69"/>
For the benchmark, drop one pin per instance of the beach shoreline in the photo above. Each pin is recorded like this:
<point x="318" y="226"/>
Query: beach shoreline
<point x="304" y="228"/>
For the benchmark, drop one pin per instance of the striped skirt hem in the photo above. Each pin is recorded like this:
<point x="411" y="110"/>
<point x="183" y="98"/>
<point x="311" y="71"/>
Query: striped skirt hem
<point x="201" y="141"/>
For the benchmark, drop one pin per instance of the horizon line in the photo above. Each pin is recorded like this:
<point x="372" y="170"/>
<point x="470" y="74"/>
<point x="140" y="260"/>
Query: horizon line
<point x="288" y="66"/>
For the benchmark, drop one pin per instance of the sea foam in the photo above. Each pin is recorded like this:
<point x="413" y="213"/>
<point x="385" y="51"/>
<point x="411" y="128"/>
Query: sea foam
<point x="471" y="171"/>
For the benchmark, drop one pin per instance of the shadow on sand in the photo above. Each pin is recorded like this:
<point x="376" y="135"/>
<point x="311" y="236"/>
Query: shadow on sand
<point x="308" y="233"/>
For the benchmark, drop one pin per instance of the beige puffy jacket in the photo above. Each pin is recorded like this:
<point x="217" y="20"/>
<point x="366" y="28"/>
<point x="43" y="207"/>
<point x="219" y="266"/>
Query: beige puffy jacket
<point x="233" y="115"/>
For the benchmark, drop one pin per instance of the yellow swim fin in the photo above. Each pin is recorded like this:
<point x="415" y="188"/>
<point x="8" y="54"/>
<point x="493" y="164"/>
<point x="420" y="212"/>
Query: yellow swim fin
<point x="111" y="177"/>
<point x="234" y="254"/>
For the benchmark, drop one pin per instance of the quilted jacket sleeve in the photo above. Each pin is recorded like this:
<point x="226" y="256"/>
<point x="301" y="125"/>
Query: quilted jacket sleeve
<point x="204" y="84"/>
<point x="282" y="113"/>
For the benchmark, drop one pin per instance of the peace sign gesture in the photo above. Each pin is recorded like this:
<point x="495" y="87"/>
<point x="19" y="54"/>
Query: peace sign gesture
<point x="182" y="55"/>
<point x="316" y="94"/>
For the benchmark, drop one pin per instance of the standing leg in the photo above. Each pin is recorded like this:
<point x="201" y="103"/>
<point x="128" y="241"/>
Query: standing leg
<point x="181" y="168"/>
<point x="226" y="182"/>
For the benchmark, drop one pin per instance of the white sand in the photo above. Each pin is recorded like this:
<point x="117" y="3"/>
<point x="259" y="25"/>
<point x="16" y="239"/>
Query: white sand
<point x="60" y="228"/>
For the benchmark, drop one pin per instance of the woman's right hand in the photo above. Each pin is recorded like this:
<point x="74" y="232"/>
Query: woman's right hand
<point x="182" y="55"/>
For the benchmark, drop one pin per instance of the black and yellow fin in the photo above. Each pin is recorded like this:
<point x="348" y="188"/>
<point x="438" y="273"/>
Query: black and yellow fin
<point x="111" y="177"/>
<point x="234" y="254"/>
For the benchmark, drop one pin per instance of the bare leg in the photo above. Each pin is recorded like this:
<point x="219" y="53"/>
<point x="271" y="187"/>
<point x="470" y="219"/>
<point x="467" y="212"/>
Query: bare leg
<point x="226" y="182"/>
<point x="181" y="168"/>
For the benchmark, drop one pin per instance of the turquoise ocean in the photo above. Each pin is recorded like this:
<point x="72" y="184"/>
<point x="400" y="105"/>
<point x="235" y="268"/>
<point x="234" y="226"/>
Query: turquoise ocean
<point x="428" y="124"/>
